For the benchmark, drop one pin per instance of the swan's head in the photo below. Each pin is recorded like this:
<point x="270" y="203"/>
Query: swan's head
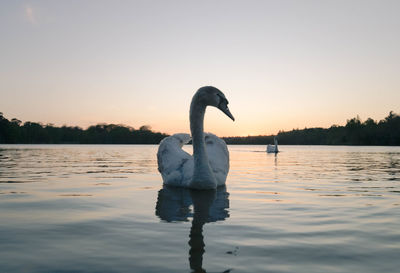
<point x="212" y="96"/>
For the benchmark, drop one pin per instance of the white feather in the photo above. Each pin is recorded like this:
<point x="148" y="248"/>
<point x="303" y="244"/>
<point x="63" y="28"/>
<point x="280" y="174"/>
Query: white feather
<point x="218" y="157"/>
<point x="176" y="165"/>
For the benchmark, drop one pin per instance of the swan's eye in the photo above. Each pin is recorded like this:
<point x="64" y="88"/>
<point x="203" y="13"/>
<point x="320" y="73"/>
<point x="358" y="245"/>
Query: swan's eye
<point x="222" y="101"/>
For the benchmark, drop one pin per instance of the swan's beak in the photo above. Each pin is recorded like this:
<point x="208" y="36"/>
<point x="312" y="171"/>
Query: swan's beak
<point x="225" y="109"/>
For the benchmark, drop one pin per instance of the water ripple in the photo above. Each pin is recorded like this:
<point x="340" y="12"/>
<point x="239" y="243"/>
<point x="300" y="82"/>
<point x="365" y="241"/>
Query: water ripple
<point x="102" y="208"/>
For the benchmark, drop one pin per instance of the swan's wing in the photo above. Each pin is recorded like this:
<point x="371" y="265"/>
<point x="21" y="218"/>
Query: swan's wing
<point x="218" y="156"/>
<point x="174" y="164"/>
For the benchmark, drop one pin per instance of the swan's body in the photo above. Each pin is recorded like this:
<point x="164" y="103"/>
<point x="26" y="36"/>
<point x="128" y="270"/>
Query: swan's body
<point x="209" y="165"/>
<point x="273" y="148"/>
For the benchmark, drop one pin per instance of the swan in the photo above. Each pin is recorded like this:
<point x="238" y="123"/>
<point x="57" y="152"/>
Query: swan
<point x="209" y="165"/>
<point x="273" y="148"/>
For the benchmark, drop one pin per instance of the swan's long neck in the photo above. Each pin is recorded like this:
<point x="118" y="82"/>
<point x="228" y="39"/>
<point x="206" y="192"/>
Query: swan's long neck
<point x="203" y="178"/>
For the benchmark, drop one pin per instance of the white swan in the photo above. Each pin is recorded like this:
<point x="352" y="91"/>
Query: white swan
<point x="209" y="165"/>
<point x="273" y="148"/>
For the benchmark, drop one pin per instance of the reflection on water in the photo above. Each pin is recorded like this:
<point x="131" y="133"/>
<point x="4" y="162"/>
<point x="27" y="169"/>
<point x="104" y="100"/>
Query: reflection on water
<point x="90" y="208"/>
<point x="174" y="204"/>
<point x="36" y="163"/>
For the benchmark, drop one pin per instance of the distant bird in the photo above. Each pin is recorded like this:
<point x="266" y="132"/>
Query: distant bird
<point x="273" y="148"/>
<point x="209" y="165"/>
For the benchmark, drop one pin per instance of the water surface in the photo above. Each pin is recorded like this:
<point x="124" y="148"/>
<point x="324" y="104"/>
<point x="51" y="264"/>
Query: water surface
<point x="102" y="208"/>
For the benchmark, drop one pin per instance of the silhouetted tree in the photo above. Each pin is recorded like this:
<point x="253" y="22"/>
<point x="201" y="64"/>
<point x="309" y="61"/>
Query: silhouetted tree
<point x="355" y="132"/>
<point x="31" y="132"/>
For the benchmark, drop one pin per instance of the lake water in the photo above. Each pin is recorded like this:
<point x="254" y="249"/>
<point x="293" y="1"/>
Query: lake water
<point x="102" y="208"/>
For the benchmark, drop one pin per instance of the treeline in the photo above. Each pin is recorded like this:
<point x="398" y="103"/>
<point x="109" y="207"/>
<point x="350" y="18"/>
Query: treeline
<point x="355" y="132"/>
<point x="13" y="131"/>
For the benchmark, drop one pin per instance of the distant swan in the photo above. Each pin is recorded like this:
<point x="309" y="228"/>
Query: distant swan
<point x="209" y="165"/>
<point x="273" y="148"/>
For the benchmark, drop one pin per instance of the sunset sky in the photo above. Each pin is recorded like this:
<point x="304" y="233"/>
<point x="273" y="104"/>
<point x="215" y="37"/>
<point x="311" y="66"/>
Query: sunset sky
<point x="281" y="64"/>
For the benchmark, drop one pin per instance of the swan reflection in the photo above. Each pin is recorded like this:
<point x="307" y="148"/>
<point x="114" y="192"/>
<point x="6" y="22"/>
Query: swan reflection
<point x="205" y="206"/>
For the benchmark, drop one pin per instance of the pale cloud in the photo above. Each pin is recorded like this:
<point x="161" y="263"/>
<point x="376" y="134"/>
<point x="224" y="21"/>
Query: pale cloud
<point x="30" y="15"/>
